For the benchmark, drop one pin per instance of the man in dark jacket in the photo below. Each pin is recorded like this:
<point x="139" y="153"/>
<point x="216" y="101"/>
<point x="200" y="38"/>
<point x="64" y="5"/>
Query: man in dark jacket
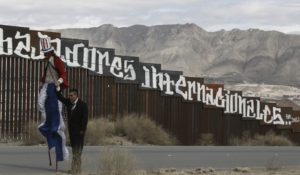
<point x="77" y="115"/>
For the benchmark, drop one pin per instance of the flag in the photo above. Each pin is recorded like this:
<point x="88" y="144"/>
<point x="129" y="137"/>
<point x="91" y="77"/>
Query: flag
<point x="52" y="126"/>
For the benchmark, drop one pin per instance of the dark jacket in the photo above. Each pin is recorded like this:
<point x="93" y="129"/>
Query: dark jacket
<point x="78" y="117"/>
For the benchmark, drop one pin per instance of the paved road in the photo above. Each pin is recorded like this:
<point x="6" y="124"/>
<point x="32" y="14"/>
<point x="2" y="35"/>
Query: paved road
<point x="34" y="160"/>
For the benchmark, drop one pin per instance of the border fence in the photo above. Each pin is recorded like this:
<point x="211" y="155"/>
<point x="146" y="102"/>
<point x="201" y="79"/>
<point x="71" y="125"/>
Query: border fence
<point x="108" y="95"/>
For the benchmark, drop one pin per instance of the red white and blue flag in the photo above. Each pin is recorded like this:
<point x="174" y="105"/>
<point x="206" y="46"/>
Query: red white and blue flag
<point x="52" y="127"/>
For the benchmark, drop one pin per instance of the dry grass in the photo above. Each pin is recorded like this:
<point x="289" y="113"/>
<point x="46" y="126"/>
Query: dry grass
<point x="138" y="129"/>
<point x="98" y="131"/>
<point x="142" y="130"/>
<point x="103" y="131"/>
<point x="206" y="139"/>
<point x="116" y="162"/>
<point x="34" y="136"/>
<point x="208" y="171"/>
<point x="269" y="139"/>
<point x="211" y="171"/>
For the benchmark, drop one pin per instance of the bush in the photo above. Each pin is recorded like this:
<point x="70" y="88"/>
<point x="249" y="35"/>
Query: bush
<point x="269" y="139"/>
<point x="239" y="141"/>
<point x="33" y="135"/>
<point x="116" y="162"/>
<point x="142" y="130"/>
<point x="98" y="131"/>
<point x="206" y="139"/>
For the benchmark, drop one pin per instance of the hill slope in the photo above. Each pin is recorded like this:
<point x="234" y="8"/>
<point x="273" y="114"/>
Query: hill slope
<point x="234" y="56"/>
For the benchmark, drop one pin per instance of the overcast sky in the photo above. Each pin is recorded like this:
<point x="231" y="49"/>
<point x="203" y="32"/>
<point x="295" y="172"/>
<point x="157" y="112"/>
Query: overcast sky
<point x="211" y="15"/>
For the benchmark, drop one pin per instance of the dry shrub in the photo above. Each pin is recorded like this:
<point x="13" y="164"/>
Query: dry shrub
<point x="206" y="139"/>
<point x="98" y="130"/>
<point x="116" y="162"/>
<point x="269" y="139"/>
<point x="142" y="130"/>
<point x="33" y="135"/>
<point x="235" y="141"/>
<point x="239" y="141"/>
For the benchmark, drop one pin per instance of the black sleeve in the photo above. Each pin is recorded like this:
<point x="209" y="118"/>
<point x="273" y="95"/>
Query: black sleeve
<point x="84" y="119"/>
<point x="61" y="98"/>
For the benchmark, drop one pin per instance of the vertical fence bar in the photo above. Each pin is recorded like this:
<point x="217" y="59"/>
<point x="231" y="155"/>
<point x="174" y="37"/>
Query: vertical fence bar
<point x="16" y="94"/>
<point x="20" y="92"/>
<point x="3" y="80"/>
<point x="27" y="102"/>
<point x="8" y="98"/>
<point x="2" y="99"/>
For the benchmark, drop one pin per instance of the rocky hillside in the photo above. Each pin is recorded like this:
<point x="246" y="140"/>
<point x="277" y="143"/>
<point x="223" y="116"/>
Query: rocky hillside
<point x="235" y="56"/>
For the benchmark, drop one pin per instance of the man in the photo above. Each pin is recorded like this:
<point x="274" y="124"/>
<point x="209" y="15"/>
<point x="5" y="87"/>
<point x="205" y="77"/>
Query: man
<point x="54" y="77"/>
<point x="77" y="115"/>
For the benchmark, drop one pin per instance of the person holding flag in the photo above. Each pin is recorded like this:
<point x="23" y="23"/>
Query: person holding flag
<point x="77" y="115"/>
<point x="54" y="78"/>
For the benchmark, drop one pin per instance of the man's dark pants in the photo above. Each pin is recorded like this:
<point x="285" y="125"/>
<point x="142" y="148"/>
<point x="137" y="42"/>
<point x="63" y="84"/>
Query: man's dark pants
<point x="76" y="140"/>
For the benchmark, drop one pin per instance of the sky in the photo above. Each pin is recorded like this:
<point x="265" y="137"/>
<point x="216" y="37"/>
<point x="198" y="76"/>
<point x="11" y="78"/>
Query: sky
<point x="211" y="15"/>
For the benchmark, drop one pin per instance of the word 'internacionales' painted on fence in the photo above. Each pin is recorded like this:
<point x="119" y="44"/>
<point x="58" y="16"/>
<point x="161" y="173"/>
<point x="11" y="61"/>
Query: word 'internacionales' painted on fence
<point x="126" y="69"/>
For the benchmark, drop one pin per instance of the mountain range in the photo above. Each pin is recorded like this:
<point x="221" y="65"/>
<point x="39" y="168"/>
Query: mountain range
<point x="235" y="56"/>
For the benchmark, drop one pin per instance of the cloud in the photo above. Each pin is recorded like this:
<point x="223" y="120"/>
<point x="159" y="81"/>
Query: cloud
<point x="211" y="15"/>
